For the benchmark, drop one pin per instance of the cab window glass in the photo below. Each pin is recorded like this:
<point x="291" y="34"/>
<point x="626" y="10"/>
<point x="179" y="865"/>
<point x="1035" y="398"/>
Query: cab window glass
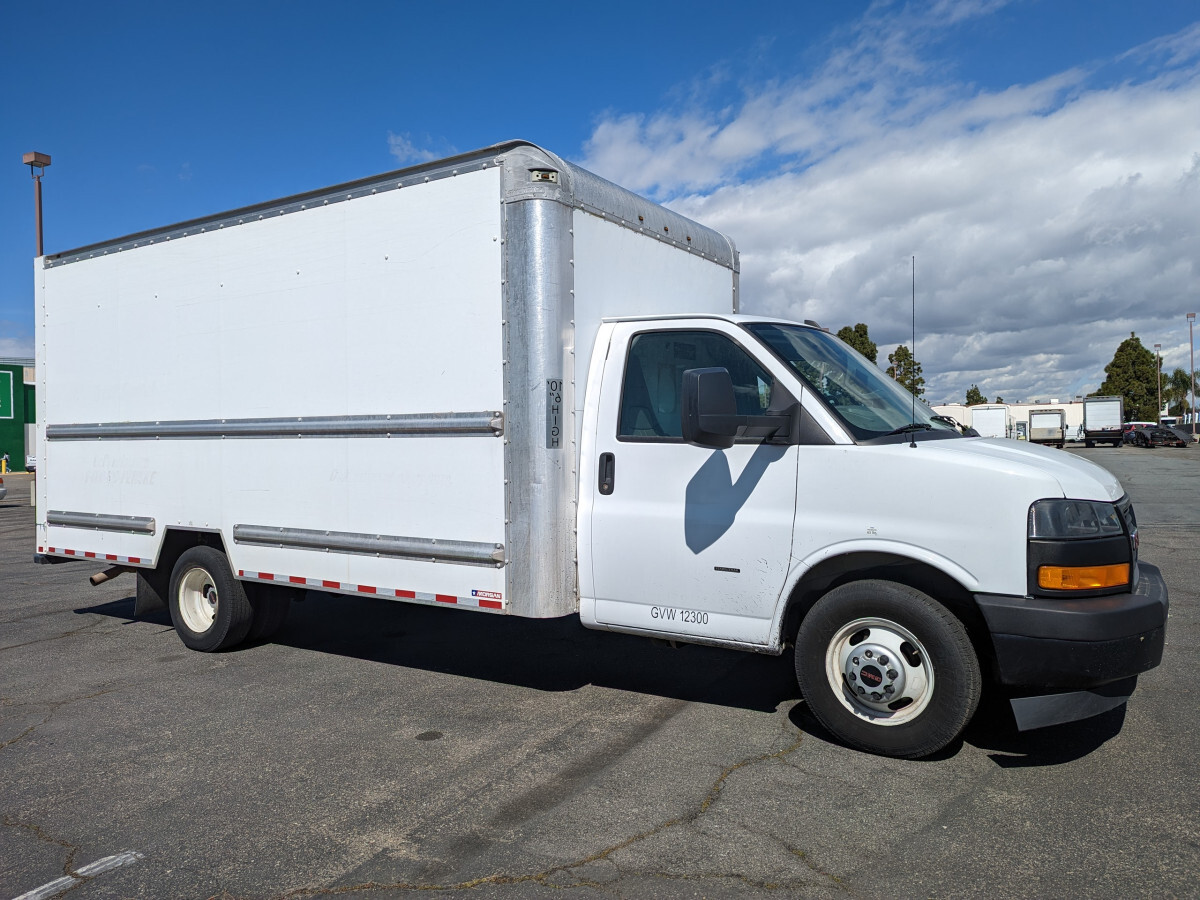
<point x="654" y="379"/>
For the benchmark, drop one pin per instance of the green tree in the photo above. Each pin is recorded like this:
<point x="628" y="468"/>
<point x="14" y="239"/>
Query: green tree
<point x="858" y="338"/>
<point x="1133" y="374"/>
<point x="999" y="399"/>
<point x="1178" y="392"/>
<point x="974" y="396"/>
<point x="906" y="370"/>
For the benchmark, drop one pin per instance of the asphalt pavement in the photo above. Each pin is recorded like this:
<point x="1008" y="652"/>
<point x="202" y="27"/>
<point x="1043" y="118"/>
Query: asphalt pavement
<point x="380" y="750"/>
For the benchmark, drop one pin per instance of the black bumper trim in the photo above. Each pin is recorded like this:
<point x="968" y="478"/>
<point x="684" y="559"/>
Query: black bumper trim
<point x="1090" y="619"/>
<point x="1046" y="645"/>
<point x="1042" y="663"/>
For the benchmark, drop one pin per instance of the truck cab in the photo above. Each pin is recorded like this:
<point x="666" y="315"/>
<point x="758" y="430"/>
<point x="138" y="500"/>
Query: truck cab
<point x="754" y="483"/>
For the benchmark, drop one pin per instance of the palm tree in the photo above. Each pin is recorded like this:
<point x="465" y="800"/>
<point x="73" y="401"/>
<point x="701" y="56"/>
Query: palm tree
<point x="1178" y="392"/>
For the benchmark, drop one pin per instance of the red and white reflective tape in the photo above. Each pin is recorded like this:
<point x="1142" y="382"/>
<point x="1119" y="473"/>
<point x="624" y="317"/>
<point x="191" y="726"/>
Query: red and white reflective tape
<point x="88" y="554"/>
<point x="482" y="600"/>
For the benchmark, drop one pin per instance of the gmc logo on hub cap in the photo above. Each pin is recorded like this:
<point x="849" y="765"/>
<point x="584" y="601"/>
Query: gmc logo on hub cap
<point x="871" y="676"/>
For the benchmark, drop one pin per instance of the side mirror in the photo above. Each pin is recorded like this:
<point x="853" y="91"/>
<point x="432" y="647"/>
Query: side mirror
<point x="708" y="408"/>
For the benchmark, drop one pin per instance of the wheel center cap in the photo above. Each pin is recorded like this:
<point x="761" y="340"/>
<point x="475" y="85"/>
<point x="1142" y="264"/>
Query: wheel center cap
<point x="870" y="676"/>
<point x="874" y="674"/>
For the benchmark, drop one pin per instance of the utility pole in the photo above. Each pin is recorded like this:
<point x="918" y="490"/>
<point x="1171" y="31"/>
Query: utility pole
<point x="1191" y="317"/>
<point x="37" y="163"/>
<point x="1158" y="383"/>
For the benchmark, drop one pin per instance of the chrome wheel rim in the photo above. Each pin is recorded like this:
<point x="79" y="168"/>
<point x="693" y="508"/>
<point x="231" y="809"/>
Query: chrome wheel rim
<point x="879" y="671"/>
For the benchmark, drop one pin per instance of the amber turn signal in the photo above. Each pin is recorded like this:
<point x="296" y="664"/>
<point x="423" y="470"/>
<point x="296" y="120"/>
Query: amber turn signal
<point x="1082" y="578"/>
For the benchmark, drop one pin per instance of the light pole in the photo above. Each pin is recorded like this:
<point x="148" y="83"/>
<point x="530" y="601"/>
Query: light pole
<point x="1191" y="317"/>
<point x="37" y="163"/>
<point x="1158" y="382"/>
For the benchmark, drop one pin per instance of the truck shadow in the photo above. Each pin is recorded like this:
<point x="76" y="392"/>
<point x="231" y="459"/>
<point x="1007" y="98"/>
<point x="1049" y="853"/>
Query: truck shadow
<point x="558" y="655"/>
<point x="994" y="731"/>
<point x="542" y="654"/>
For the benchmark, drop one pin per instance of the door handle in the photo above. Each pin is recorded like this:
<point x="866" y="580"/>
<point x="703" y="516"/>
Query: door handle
<point x="608" y="471"/>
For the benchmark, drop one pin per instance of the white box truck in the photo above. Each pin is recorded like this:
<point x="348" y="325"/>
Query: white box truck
<point x="991" y="421"/>
<point x="498" y="382"/>
<point x="1103" y="420"/>
<point x="1048" y="426"/>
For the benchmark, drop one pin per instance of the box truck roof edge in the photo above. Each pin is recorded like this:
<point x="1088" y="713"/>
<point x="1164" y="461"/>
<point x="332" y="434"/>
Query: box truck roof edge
<point x="585" y="190"/>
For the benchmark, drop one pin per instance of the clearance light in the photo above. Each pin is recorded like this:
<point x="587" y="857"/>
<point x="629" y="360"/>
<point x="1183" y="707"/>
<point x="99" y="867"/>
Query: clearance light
<point x="1082" y="578"/>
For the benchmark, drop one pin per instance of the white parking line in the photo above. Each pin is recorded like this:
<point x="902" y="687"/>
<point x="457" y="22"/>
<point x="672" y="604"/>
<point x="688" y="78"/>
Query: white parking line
<point x="91" y="870"/>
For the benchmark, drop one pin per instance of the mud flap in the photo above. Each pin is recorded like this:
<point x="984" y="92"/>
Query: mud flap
<point x="1055" y="709"/>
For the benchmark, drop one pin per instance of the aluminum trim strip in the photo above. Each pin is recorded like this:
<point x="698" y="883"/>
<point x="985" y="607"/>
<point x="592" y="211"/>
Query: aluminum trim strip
<point x="435" y="170"/>
<point x="101" y="521"/>
<point x="425" y="549"/>
<point x="401" y="425"/>
<point x="585" y="190"/>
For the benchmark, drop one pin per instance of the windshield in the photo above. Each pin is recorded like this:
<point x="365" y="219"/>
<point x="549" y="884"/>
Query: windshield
<point x="869" y="403"/>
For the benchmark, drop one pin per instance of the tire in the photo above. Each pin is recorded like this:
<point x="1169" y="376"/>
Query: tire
<point x="209" y="608"/>
<point x="270" y="605"/>
<point x="1089" y="444"/>
<point x="859" y="629"/>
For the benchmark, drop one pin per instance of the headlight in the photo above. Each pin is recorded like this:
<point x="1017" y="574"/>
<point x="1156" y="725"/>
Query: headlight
<point x="1073" y="520"/>
<point x="1078" y="548"/>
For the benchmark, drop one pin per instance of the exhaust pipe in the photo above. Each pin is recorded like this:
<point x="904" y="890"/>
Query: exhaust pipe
<point x="108" y="574"/>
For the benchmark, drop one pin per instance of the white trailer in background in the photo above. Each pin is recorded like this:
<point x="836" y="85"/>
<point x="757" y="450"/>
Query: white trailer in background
<point x="1048" y="426"/>
<point x="498" y="382"/>
<point x="1103" y="420"/>
<point x="991" y="420"/>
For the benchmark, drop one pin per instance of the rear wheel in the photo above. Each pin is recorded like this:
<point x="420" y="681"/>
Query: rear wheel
<point x="887" y="669"/>
<point x="209" y="608"/>
<point x="271" y="604"/>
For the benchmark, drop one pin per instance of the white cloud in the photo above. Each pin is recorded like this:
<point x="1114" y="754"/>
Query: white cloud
<point x="13" y="344"/>
<point x="1048" y="220"/>
<point x="407" y="152"/>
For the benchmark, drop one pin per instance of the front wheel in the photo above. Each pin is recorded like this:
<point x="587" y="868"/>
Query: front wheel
<point x="887" y="669"/>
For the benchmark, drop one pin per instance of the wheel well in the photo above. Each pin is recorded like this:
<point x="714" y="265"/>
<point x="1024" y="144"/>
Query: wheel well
<point x="175" y="542"/>
<point x="840" y="570"/>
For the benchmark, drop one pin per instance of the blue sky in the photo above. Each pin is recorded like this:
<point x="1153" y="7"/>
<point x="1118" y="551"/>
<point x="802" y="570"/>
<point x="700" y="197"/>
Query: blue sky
<point x="1040" y="159"/>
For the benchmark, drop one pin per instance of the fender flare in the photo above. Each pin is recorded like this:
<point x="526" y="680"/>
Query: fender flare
<point x="800" y="568"/>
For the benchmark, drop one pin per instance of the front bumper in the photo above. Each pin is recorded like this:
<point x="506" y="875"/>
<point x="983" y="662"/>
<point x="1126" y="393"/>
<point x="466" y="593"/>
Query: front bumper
<point x="1079" y="657"/>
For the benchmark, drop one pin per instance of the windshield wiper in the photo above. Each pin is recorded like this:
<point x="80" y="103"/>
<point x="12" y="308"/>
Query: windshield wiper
<point x="915" y="426"/>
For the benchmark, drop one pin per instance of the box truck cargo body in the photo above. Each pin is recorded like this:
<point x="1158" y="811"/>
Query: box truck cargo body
<point x="1048" y="426"/>
<point x="991" y="421"/>
<point x="500" y="383"/>
<point x="1103" y="420"/>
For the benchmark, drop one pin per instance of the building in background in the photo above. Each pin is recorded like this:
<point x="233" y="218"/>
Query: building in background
<point x="1018" y="415"/>
<point x="17" y="413"/>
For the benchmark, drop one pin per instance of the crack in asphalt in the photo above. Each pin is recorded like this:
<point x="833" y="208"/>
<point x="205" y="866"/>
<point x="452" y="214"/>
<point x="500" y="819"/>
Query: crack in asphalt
<point x="57" y="637"/>
<point x="36" y="831"/>
<point x="54" y="707"/>
<point x="543" y="878"/>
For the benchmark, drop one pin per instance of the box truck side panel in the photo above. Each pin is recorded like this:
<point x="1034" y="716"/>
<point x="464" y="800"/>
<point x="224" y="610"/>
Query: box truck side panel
<point x="620" y="272"/>
<point x="310" y="329"/>
<point x="990" y="421"/>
